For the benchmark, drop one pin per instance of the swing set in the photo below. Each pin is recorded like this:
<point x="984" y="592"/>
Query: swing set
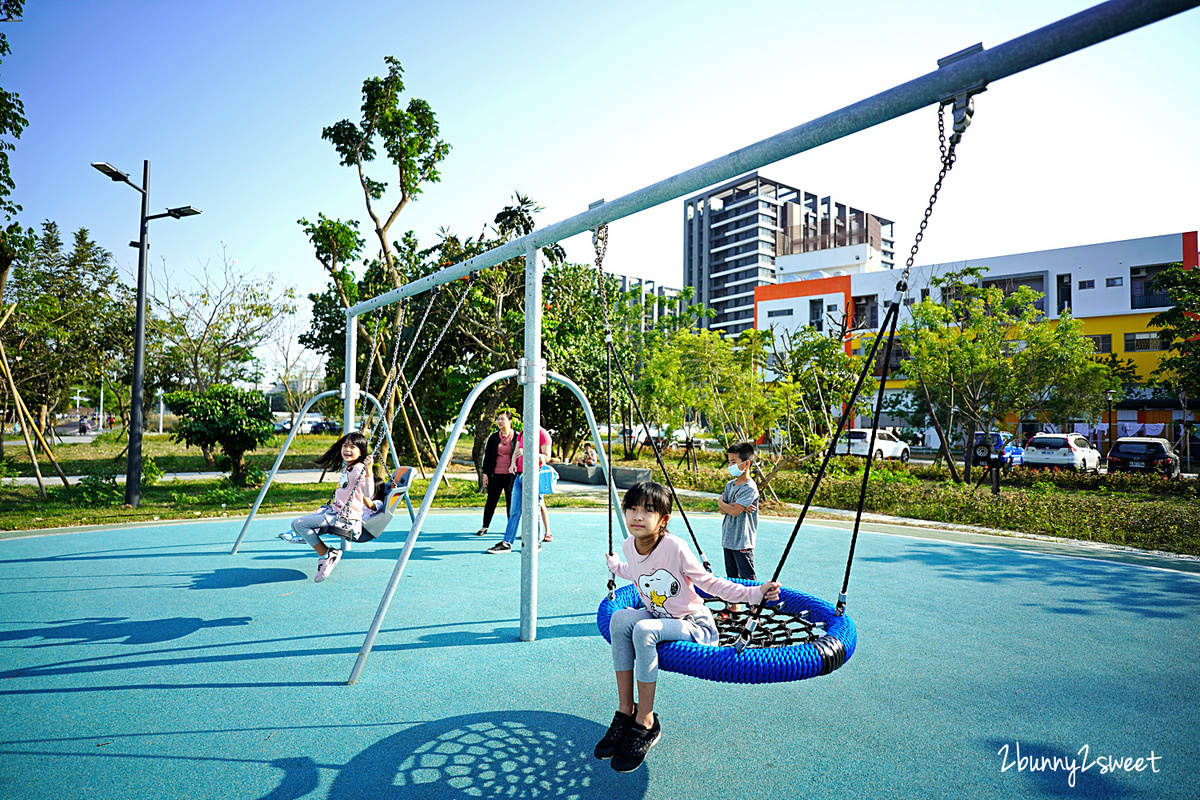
<point x="799" y="636"/>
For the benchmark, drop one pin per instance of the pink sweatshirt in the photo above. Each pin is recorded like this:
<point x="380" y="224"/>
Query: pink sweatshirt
<point x="667" y="576"/>
<point x="355" y="491"/>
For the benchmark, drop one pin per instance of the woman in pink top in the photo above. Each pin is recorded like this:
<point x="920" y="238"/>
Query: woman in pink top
<point x="354" y="485"/>
<point x="497" y="477"/>
<point x="666" y="574"/>
<point x="514" y="511"/>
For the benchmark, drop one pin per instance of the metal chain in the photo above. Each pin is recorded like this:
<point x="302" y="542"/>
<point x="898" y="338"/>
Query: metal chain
<point x="600" y="243"/>
<point x="436" y="342"/>
<point x="366" y="387"/>
<point x="389" y="390"/>
<point x="948" y="159"/>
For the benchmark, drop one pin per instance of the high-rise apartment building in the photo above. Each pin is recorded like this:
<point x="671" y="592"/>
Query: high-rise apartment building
<point x="732" y="235"/>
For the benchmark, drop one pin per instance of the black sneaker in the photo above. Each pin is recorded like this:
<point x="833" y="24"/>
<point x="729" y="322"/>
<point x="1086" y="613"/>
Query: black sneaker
<point x="637" y="743"/>
<point x="500" y="547"/>
<point x="615" y="735"/>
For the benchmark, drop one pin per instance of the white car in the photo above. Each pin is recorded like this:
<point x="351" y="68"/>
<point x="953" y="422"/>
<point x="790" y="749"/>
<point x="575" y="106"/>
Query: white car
<point x="857" y="441"/>
<point x="1061" y="451"/>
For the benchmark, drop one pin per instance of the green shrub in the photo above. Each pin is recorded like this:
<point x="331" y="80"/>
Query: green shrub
<point x="151" y="474"/>
<point x="99" y="491"/>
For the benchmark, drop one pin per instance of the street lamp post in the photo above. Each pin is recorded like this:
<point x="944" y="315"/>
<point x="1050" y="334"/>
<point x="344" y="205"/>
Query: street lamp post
<point x="1108" y="393"/>
<point x="133" y="469"/>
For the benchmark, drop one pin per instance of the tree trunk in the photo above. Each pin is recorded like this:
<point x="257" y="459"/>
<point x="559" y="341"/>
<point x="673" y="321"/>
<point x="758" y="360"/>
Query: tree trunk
<point x="937" y="426"/>
<point x="209" y="460"/>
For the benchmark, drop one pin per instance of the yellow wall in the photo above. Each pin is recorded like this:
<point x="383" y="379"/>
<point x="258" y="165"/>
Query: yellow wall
<point x="1116" y="325"/>
<point x="1120" y="324"/>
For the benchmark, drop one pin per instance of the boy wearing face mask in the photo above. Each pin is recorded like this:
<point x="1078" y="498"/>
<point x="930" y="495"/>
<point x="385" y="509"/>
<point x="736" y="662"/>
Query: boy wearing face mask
<point x="739" y="507"/>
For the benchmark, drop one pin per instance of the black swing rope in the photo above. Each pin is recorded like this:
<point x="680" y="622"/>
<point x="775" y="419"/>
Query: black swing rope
<point x="600" y="240"/>
<point x="963" y="109"/>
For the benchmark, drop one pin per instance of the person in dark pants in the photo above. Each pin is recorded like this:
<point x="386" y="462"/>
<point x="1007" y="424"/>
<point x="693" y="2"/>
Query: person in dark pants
<point x="497" y="457"/>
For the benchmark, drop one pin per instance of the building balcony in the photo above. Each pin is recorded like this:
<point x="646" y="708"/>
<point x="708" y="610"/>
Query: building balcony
<point x="1150" y="301"/>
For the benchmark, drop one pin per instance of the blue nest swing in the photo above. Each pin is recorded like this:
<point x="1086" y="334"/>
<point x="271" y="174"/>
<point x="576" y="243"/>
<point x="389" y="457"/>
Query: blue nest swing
<point x="764" y="660"/>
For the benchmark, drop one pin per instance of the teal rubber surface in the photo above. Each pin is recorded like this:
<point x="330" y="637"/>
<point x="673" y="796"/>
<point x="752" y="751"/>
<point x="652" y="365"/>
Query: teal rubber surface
<point x="147" y="662"/>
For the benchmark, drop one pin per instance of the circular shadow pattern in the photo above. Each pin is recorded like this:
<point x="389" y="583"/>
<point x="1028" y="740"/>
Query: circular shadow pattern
<point x="510" y="754"/>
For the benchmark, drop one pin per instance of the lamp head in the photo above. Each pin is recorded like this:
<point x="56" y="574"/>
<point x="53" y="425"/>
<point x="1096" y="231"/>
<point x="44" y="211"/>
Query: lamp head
<point x="110" y="170"/>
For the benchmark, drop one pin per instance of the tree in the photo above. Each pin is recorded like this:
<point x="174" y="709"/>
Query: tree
<point x="814" y="377"/>
<point x="410" y="138"/>
<point x="236" y="420"/>
<point x="14" y="239"/>
<point x="297" y="369"/>
<point x="70" y="311"/>
<point x="1179" y="331"/>
<point x="984" y="354"/>
<point x="215" y="327"/>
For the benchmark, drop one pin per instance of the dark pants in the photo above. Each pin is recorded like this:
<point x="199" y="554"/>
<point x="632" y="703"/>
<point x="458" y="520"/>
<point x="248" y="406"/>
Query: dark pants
<point x="497" y="483"/>
<point x="739" y="564"/>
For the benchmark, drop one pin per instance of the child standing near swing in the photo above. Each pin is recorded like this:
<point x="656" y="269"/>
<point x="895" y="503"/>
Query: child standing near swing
<point x="666" y="573"/>
<point x="352" y="455"/>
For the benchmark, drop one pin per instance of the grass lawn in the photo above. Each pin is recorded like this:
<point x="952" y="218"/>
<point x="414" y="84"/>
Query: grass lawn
<point x="1155" y="515"/>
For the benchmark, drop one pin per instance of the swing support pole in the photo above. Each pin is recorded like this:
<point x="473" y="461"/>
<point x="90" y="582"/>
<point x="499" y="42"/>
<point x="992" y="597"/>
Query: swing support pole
<point x="431" y="491"/>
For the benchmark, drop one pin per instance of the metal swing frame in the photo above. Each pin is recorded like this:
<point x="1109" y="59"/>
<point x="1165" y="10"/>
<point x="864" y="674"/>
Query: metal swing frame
<point x="961" y="73"/>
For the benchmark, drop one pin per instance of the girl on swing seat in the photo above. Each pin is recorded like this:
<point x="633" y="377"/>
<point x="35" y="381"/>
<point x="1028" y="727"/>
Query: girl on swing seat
<point x="666" y="573"/>
<point x="352" y="455"/>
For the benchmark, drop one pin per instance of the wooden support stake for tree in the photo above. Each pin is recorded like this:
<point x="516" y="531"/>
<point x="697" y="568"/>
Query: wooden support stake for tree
<point x="412" y="439"/>
<point x="421" y="422"/>
<point x="25" y="425"/>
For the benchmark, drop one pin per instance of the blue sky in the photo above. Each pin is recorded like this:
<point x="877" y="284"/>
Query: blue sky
<point x="572" y="102"/>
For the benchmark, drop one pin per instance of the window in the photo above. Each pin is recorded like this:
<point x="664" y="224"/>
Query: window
<point x="1137" y="342"/>
<point x="1087" y="284"/>
<point x="1114" y="282"/>
<point x="779" y="312"/>
<point x="831" y="307"/>
<point x="1103" y="342"/>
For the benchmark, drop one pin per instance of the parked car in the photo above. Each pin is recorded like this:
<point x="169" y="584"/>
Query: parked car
<point x="327" y="426"/>
<point x="1143" y="454"/>
<point x="1010" y="450"/>
<point x="1061" y="451"/>
<point x="856" y="442"/>
<point x="303" y="426"/>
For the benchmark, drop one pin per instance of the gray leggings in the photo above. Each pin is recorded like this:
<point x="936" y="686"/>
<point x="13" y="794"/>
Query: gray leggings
<point x="306" y="527"/>
<point x="635" y="634"/>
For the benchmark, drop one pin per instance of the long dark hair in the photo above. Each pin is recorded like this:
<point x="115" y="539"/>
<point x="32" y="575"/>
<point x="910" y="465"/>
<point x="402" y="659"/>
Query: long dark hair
<point x="331" y="459"/>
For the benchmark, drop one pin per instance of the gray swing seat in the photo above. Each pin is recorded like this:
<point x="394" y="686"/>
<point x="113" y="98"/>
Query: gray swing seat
<point x="397" y="490"/>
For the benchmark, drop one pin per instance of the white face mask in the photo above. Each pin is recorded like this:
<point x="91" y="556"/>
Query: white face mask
<point x="735" y="470"/>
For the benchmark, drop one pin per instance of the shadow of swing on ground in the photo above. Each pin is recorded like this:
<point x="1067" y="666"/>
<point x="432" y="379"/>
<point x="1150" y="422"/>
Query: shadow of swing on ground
<point x="241" y="577"/>
<point x="510" y="754"/>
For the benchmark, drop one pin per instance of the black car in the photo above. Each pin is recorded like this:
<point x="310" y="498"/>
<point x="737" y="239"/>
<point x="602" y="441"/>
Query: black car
<point x="327" y="426"/>
<point x="1143" y="454"/>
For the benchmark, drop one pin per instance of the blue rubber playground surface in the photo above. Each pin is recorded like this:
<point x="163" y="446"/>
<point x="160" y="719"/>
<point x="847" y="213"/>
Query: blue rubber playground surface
<point x="147" y="662"/>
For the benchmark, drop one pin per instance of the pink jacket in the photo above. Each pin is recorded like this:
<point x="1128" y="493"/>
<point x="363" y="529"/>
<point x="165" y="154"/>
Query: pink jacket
<point x="354" y="488"/>
<point x="667" y="577"/>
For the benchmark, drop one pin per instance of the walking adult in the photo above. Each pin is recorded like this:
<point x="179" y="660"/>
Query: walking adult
<point x="497" y="478"/>
<point x="514" y="512"/>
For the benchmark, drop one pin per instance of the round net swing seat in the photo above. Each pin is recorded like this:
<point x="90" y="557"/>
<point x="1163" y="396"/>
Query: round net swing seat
<point x="799" y="637"/>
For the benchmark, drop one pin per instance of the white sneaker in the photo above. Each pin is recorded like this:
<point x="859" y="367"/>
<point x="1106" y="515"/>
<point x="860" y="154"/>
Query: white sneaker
<point x="291" y="537"/>
<point x="325" y="565"/>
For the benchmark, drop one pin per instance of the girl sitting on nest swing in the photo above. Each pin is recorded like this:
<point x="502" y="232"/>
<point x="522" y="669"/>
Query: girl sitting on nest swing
<point x="666" y="573"/>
